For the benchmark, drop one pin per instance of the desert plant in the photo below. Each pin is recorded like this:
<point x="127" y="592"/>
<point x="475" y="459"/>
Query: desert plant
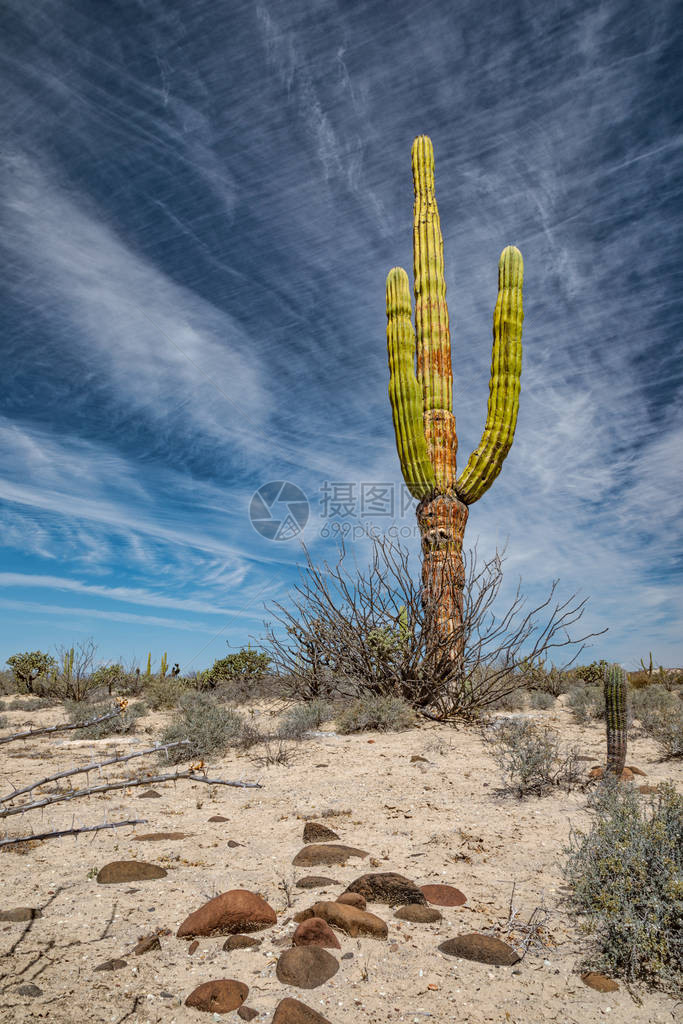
<point x="29" y="668"/>
<point x="586" y="703"/>
<point x="109" y="677"/>
<point x="541" y="700"/>
<point x="148" y="670"/>
<point x="303" y="718"/>
<point x="82" y="713"/>
<point x="245" y="666"/>
<point x="163" y="668"/>
<point x="660" y="714"/>
<point x="615" y="687"/>
<point x="374" y="711"/>
<point x="626" y="876"/>
<point x="8" y="684"/>
<point x="593" y="674"/>
<point x="72" y="678"/>
<point x="209" y="727"/>
<point x="4" y="724"/>
<point x="162" y="694"/>
<point x="531" y="757"/>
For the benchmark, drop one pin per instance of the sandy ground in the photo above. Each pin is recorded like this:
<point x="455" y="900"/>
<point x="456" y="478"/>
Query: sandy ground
<point x="443" y="820"/>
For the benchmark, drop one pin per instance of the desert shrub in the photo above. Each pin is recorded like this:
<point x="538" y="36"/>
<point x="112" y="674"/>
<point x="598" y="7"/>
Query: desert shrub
<point x="530" y="757"/>
<point x="626" y="876"/>
<point x="4" y="724"/>
<point x="593" y="674"/>
<point x="243" y="666"/>
<point x="164" y="692"/>
<point x="30" y="668"/>
<point x="374" y="711"/>
<point x="209" y="727"/>
<point x="660" y="714"/>
<point x="109" y="678"/>
<point x="303" y="718"/>
<point x="126" y="722"/>
<point x="8" y="683"/>
<point x="541" y="700"/>
<point x="513" y="700"/>
<point x="587" y="703"/>
<point x="23" y="704"/>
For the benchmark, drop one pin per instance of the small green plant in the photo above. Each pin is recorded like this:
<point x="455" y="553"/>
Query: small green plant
<point x="626" y="876"/>
<point x="245" y="665"/>
<point x="30" y="668"/>
<point x="93" y="873"/>
<point x="375" y="711"/>
<point x="660" y="714"/>
<point x="163" y="669"/>
<point x="126" y="722"/>
<point x="303" y="718"/>
<point x="210" y="727"/>
<point x="163" y="693"/>
<point x="148" y="672"/>
<point x="530" y="757"/>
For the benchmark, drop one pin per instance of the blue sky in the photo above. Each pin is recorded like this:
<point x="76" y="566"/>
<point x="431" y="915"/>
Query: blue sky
<point x="199" y="206"/>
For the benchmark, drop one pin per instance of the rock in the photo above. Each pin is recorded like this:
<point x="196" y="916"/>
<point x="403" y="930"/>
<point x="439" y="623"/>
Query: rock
<point x="485" y="949"/>
<point x="636" y="771"/>
<point x="315" y="932"/>
<point x="648" y="789"/>
<point x="148" y="943"/>
<point x="193" y="947"/>
<point x="129" y="871"/>
<point x="387" y="887"/>
<point x="598" y="771"/>
<point x="599" y="982"/>
<point x="218" y="817"/>
<point x="291" y="1011"/>
<point x="218" y="996"/>
<point x="418" y="757"/>
<point x="443" y="895"/>
<point x="418" y="913"/>
<point x="326" y="853"/>
<point x="314" y="882"/>
<point x="149" y="794"/>
<point x="247" y="1013"/>
<point x="315" y="833"/>
<point x="29" y="990"/>
<point x="157" y="837"/>
<point x="306" y="966"/>
<point x="351" y="920"/>
<point x="241" y="942"/>
<point x="111" y="965"/>
<point x="352" y="899"/>
<point x="347" y="956"/>
<point x="235" y="911"/>
<point x="232" y="844"/>
<point x="20" y="914"/>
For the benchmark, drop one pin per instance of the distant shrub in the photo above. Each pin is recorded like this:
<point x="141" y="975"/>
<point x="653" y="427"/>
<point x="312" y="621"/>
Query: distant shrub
<point x="587" y="703"/>
<point x="531" y="757"/>
<point x="211" y="728"/>
<point x="374" y="711"/>
<point x="78" y="712"/>
<point x="541" y="700"/>
<point x="592" y="674"/>
<point x="8" y="683"/>
<point x="245" y="665"/>
<point x="660" y="713"/>
<point x="164" y="692"/>
<point x="303" y="718"/>
<point x="23" y="704"/>
<point x="514" y="700"/>
<point x="626" y="876"/>
<point x="30" y="668"/>
<point x="4" y="724"/>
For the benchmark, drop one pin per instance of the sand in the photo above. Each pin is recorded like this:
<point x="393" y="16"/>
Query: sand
<point x="446" y="819"/>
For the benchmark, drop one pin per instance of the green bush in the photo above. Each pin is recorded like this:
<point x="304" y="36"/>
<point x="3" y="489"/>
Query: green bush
<point x="78" y="712"/>
<point x="30" y="668"/>
<point x="164" y="692"/>
<point x="303" y="718"/>
<point x="531" y="757"/>
<point x="660" y="714"/>
<point x="626" y="876"/>
<point x="246" y="665"/>
<point x="587" y="703"/>
<point x="8" y="683"/>
<point x="374" y="711"/>
<point x="592" y="674"/>
<point x="210" y="727"/>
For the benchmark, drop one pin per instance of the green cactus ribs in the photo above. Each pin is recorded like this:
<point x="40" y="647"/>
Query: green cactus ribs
<point x="616" y="719"/>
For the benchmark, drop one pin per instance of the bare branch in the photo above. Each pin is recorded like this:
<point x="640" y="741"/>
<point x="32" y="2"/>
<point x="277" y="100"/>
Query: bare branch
<point x="62" y="728"/>
<point x="71" y="831"/>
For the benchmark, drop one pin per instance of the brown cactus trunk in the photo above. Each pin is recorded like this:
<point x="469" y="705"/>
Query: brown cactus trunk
<point x="442" y="521"/>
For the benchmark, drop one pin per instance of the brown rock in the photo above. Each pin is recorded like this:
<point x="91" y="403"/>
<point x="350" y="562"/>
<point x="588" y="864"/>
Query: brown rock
<point x="193" y="947"/>
<point x="148" y="943"/>
<point x="598" y="772"/>
<point x="129" y="871"/>
<point x="235" y="911"/>
<point x="20" y="914"/>
<point x="314" y="882"/>
<point x="352" y="899"/>
<point x="306" y="966"/>
<point x="232" y="844"/>
<point x="218" y="817"/>
<point x="149" y="794"/>
<point x="315" y="932"/>
<point x="636" y="771"/>
<point x="443" y="895"/>
<point x="315" y="833"/>
<point x="291" y="1011"/>
<point x="418" y="757"/>
<point x="247" y="1013"/>
<point x="351" y="920"/>
<point x="111" y="965"/>
<point x="157" y="837"/>
<point x="648" y="789"/>
<point x="387" y="887"/>
<point x="218" y="996"/>
<point x="326" y="853"/>
<point x="418" y="914"/>
<point x="241" y="942"/>
<point x="599" y="982"/>
<point x="485" y="949"/>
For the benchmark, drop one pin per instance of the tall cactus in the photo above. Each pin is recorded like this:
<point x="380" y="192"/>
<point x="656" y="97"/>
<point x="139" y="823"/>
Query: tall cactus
<point x="615" y="715"/>
<point x="421" y="404"/>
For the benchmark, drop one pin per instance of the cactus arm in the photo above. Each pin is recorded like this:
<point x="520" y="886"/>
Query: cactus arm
<point x="615" y="715"/>
<point x="434" y="370"/>
<point x="405" y="393"/>
<point x="486" y="462"/>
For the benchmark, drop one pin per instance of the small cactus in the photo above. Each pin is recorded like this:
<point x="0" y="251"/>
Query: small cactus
<point x="149" y="665"/>
<point x="164" y="664"/>
<point x="615" y="715"/>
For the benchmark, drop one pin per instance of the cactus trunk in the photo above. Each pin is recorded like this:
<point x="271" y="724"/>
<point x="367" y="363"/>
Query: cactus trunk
<point x="442" y="522"/>
<point x="615" y="715"/>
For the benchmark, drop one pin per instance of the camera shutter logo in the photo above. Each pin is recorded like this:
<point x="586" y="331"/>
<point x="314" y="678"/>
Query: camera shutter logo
<point x="279" y="510"/>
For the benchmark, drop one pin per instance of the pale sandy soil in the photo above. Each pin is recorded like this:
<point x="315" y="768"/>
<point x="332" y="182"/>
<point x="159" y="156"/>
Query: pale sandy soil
<point x="445" y="820"/>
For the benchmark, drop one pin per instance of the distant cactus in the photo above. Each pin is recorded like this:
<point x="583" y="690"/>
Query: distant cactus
<point x="149" y="664"/>
<point x="164" y="665"/>
<point x="615" y="714"/>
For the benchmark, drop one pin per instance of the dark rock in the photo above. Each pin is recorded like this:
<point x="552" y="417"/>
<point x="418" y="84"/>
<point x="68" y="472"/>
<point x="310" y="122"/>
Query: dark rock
<point x="247" y="1013"/>
<point x="350" y="920"/>
<point x="352" y="899"/>
<point x="218" y="996"/>
<point x="20" y="914"/>
<point x="241" y="942"/>
<point x="149" y="794"/>
<point x="157" y="837"/>
<point x="291" y="1011"/>
<point x="306" y="966"/>
<point x="347" y="956"/>
<point x="387" y="887"/>
<point x="418" y="757"/>
<point x="315" y="932"/>
<point x="443" y="895"/>
<point x="315" y="833"/>
<point x="111" y="965"/>
<point x="129" y="871"/>
<point x="235" y="911"/>
<point x="193" y="947"/>
<point x="418" y="914"/>
<point x="485" y="949"/>
<point x="599" y="982"/>
<point x="314" y="882"/>
<point x="326" y="853"/>
<point x="636" y="771"/>
<point x="232" y="843"/>
<point x="218" y="817"/>
<point x="29" y="990"/>
<point x="148" y="943"/>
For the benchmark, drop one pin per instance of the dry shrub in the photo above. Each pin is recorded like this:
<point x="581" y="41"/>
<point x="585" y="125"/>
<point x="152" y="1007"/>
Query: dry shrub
<point x="378" y="712"/>
<point x="531" y="757"/>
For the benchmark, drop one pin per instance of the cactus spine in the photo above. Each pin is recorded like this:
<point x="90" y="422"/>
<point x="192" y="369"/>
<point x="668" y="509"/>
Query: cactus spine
<point x="615" y="714"/>
<point x="424" y="423"/>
